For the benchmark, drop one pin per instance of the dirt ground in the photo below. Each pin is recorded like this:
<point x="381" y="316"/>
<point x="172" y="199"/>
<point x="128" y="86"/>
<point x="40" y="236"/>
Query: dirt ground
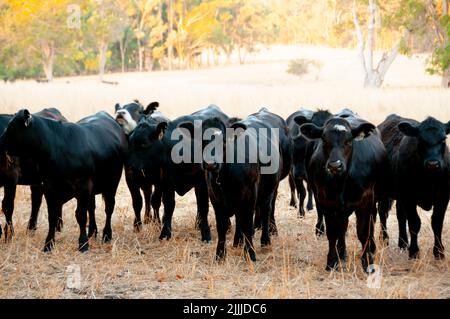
<point x="138" y="265"/>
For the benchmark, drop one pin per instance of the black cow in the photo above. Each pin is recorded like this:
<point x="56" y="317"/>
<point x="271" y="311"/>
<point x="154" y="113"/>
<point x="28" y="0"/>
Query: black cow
<point x="128" y="116"/>
<point x="240" y="187"/>
<point x="344" y="171"/>
<point x="75" y="160"/>
<point x="300" y="143"/>
<point x="152" y="147"/>
<point x="285" y="145"/>
<point x="145" y="174"/>
<point x="23" y="171"/>
<point x="420" y="170"/>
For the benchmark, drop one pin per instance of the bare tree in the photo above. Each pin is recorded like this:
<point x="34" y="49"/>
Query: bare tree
<point x="373" y="76"/>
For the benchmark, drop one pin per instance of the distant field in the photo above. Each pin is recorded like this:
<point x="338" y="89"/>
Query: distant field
<point x="140" y="266"/>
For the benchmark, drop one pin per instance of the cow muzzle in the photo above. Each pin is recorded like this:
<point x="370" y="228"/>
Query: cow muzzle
<point x="432" y="165"/>
<point x="335" y="167"/>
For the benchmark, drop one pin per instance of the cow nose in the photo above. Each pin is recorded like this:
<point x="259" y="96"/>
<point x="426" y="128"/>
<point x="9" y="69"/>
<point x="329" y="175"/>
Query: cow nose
<point x="335" y="166"/>
<point x="432" y="164"/>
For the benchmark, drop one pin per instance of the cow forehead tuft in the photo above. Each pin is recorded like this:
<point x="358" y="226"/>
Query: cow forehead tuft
<point x="340" y="128"/>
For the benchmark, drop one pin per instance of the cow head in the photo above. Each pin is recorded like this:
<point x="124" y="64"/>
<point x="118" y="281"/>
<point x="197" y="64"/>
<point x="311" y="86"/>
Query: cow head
<point x="300" y="142"/>
<point x="145" y="143"/>
<point x="128" y="115"/>
<point x="431" y="136"/>
<point x="18" y="139"/>
<point x="337" y="141"/>
<point x="212" y="138"/>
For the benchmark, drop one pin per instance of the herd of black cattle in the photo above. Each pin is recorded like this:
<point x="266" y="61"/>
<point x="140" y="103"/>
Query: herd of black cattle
<point x="347" y="163"/>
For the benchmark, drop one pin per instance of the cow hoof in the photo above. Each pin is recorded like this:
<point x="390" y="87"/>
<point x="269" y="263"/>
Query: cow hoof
<point x="402" y="244"/>
<point x="48" y="248"/>
<point x="319" y="233"/>
<point x="83" y="248"/>
<point x="414" y="254"/>
<point x="147" y="220"/>
<point x="206" y="238"/>
<point x="438" y="254"/>
<point x="208" y="242"/>
<point x="106" y="238"/>
<point x="137" y="226"/>
<point x="265" y="242"/>
<point x="309" y="207"/>
<point x="220" y="257"/>
<point x="332" y="267"/>
<point x="293" y="203"/>
<point x="165" y="235"/>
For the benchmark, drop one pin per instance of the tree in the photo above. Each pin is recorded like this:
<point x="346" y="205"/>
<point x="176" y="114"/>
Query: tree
<point x="373" y="76"/>
<point x="440" y="59"/>
<point x="37" y="31"/>
<point x="105" y="23"/>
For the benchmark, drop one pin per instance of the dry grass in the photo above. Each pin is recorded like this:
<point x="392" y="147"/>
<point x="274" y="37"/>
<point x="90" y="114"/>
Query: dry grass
<point x="140" y="266"/>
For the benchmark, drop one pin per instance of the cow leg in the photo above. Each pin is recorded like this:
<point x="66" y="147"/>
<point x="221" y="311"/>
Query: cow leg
<point x="257" y="222"/>
<point x="244" y="217"/>
<point x="8" y="209"/>
<point x="36" y="201"/>
<point x="136" y="199"/>
<point x="110" y="202"/>
<point x="265" y="208"/>
<point x="222" y="228"/>
<point x="341" y="246"/>
<point x="201" y="191"/>
<point x="147" y="196"/>
<point x="365" y="221"/>
<point x="238" y="237"/>
<point x="402" y="234"/>
<point x="83" y="199"/>
<point x="332" y="236"/>
<point x="59" y="223"/>
<point x="156" y="203"/>
<point x="92" y="229"/>
<point x="384" y="206"/>
<point x="437" y="220"/>
<point x="168" y="198"/>
<point x="414" y="224"/>
<point x="309" y="205"/>
<point x="301" y="197"/>
<point x="292" y="203"/>
<point x="54" y="205"/>
<point x="272" y="225"/>
<point x="320" y="227"/>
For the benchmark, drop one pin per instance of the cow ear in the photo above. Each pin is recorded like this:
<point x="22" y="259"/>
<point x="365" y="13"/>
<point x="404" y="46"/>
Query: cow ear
<point x="300" y="120"/>
<point x="447" y="128"/>
<point x="189" y="126"/>
<point x="362" y="131"/>
<point x="116" y="107"/>
<point x="151" y="108"/>
<point x="408" y="129"/>
<point x="26" y="118"/>
<point x="311" y="131"/>
<point x="160" y="129"/>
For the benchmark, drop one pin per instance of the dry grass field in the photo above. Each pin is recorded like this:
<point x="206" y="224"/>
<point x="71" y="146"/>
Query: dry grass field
<point x="140" y="266"/>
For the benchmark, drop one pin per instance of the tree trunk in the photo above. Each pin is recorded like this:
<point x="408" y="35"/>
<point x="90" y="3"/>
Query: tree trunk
<point x="170" y="45"/>
<point x="445" y="81"/>
<point x="373" y="78"/>
<point x="140" y="56"/>
<point x="48" y="58"/>
<point x="122" y="55"/>
<point x="102" y="48"/>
